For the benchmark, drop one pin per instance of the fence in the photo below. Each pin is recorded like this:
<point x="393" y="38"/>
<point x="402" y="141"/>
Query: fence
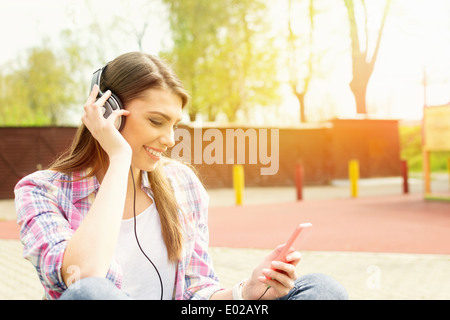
<point x="25" y="150"/>
<point x="323" y="151"/>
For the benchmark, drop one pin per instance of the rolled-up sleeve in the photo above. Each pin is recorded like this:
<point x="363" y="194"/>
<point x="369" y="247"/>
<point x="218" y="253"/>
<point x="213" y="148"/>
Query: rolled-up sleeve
<point x="44" y="231"/>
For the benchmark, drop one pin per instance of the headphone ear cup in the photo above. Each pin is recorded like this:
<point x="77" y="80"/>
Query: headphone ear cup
<point x="116" y="104"/>
<point x="112" y="104"/>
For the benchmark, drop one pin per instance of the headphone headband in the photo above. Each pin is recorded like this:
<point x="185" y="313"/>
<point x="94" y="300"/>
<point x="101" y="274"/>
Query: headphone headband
<point x="96" y="80"/>
<point x="113" y="103"/>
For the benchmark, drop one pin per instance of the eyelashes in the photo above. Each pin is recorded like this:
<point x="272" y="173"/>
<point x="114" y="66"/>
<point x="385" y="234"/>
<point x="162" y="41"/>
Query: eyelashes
<point x="159" y="123"/>
<point x="155" y="122"/>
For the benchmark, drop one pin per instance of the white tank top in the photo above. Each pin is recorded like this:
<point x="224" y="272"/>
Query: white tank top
<point x="140" y="279"/>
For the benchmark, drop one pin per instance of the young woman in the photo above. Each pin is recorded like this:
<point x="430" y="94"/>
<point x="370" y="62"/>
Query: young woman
<point x="114" y="219"/>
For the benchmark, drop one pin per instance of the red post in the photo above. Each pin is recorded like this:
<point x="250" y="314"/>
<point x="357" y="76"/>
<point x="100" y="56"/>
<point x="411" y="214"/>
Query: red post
<point x="404" y="169"/>
<point x="299" y="181"/>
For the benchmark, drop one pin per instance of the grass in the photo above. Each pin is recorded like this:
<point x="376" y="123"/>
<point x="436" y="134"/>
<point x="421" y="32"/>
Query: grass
<point x="411" y="150"/>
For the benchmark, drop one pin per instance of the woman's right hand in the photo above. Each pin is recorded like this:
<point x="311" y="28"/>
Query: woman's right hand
<point x="104" y="130"/>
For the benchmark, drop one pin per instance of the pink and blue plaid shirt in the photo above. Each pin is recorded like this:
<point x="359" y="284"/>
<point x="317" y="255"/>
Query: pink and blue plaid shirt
<point x="51" y="205"/>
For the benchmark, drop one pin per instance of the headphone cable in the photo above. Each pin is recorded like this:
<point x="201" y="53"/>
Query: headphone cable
<point x="136" y="236"/>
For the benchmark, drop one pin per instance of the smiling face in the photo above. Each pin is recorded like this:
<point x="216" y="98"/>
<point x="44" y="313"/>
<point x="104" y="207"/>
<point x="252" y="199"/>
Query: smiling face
<point x="149" y="128"/>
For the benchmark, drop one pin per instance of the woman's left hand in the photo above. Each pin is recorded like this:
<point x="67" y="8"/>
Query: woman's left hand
<point x="280" y="276"/>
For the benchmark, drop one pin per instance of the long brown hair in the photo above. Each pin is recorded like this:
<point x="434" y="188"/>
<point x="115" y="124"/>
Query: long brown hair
<point x="128" y="76"/>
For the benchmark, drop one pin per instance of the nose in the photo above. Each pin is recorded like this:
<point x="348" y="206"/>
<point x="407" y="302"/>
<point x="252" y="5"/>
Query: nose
<point x="167" y="138"/>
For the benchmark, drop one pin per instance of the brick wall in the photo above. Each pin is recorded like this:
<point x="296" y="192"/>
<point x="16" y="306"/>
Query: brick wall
<point x="323" y="151"/>
<point x="25" y="150"/>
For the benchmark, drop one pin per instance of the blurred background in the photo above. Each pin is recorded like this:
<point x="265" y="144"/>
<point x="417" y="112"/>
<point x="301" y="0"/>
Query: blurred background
<point x="241" y="60"/>
<point x="283" y="63"/>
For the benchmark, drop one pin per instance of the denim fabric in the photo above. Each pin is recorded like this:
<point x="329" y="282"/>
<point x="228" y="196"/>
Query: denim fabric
<point x="315" y="286"/>
<point x="93" y="289"/>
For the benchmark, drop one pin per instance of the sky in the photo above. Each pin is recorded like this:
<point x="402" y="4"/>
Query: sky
<point x="416" y="38"/>
<point x="25" y="23"/>
<point x="417" y="41"/>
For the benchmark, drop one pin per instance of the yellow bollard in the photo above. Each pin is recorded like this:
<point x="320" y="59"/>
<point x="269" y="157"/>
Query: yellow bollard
<point x="353" y="170"/>
<point x="238" y="183"/>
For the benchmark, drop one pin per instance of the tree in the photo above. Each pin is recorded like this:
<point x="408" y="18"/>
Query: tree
<point x="248" y="58"/>
<point x="220" y="51"/>
<point x="38" y="92"/>
<point x="363" y="62"/>
<point x="193" y="24"/>
<point x="300" y="87"/>
<point x="47" y="81"/>
<point x="135" y="19"/>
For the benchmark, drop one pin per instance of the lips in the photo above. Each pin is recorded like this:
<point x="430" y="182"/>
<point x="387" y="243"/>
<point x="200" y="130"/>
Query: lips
<point x="154" y="152"/>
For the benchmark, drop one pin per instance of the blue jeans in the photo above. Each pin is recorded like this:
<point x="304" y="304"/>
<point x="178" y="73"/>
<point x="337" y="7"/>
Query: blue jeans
<point x="314" y="286"/>
<point x="93" y="289"/>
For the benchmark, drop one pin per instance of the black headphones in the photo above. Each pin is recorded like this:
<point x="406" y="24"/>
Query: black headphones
<point x="113" y="103"/>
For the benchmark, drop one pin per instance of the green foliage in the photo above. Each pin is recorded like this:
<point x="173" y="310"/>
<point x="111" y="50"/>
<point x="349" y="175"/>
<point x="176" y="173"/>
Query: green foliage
<point x="224" y="55"/>
<point x="36" y="92"/>
<point x="411" y="146"/>
<point x="411" y="150"/>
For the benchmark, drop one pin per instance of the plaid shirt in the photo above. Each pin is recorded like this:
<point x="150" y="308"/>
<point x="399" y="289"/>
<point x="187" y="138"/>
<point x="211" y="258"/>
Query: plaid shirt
<point x="51" y="205"/>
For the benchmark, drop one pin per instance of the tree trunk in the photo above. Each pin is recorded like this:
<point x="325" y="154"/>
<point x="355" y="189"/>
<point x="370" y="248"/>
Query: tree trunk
<point x="362" y="64"/>
<point x="301" y="102"/>
<point x="300" y="93"/>
<point x="361" y="76"/>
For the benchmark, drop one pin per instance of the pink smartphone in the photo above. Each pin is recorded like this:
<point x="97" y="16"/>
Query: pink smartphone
<point x="302" y="229"/>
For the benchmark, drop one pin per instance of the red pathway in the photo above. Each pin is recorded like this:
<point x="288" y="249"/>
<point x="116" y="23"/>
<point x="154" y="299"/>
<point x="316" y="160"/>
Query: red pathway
<point x="404" y="224"/>
<point x="400" y="223"/>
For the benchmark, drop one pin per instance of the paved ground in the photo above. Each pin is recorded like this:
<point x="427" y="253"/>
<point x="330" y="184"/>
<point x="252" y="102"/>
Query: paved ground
<point x="366" y="275"/>
<point x="390" y="223"/>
